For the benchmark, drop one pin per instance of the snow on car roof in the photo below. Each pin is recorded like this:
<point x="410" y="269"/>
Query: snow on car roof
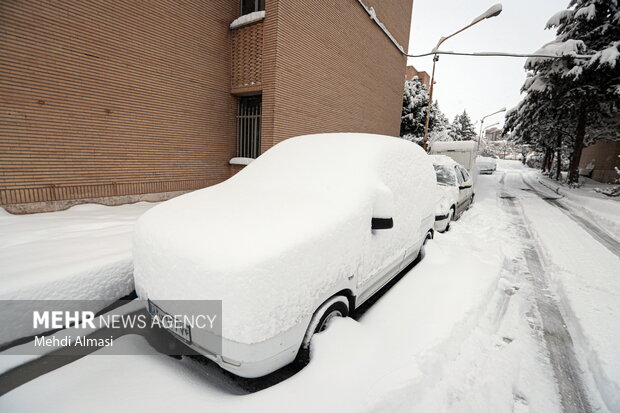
<point x="443" y="160"/>
<point x="272" y="239"/>
<point x="453" y="146"/>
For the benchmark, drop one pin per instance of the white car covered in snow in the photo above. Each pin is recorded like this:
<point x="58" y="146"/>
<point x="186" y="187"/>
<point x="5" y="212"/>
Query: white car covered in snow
<point x="308" y="231"/>
<point x="455" y="191"/>
<point x="486" y="165"/>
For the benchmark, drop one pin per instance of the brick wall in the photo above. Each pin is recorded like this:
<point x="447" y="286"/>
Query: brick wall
<point x="105" y="98"/>
<point x="328" y="68"/>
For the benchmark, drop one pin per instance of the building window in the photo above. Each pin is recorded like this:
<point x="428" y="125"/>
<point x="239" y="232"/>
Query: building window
<point x="250" y="6"/>
<point x="248" y="126"/>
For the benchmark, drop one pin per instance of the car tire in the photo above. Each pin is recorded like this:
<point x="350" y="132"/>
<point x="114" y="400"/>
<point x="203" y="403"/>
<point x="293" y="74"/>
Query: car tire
<point x="471" y="201"/>
<point x="336" y="307"/>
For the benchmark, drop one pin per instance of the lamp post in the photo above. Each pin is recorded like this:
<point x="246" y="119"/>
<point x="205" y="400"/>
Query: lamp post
<point x="482" y="122"/>
<point x="491" y="12"/>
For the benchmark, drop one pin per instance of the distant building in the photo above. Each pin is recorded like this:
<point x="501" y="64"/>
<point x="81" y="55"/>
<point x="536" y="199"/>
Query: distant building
<point x="423" y="76"/>
<point x="119" y="101"/>
<point x="601" y="161"/>
<point x="493" y="134"/>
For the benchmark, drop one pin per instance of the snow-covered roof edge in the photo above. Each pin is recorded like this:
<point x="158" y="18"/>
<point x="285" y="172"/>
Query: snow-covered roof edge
<point x="373" y="16"/>
<point x="247" y="19"/>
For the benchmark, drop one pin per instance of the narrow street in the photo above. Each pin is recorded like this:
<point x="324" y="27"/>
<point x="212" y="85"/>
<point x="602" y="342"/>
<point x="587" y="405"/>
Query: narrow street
<point x="498" y="316"/>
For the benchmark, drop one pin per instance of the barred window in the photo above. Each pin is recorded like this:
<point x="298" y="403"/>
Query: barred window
<point x="249" y="6"/>
<point x="248" y="126"/>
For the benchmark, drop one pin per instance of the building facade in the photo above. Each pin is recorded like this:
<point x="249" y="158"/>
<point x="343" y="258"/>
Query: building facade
<point x="423" y="76"/>
<point x="122" y="101"/>
<point x="493" y="134"/>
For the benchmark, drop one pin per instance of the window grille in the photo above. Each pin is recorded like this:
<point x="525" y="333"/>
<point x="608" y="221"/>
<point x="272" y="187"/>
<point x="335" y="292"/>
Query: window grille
<point x="249" y="6"/>
<point x="248" y="127"/>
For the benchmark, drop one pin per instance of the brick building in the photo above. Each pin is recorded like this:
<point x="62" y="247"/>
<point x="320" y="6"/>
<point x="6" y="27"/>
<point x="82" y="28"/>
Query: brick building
<point x="120" y="101"/>
<point x="601" y="161"/>
<point x="423" y="76"/>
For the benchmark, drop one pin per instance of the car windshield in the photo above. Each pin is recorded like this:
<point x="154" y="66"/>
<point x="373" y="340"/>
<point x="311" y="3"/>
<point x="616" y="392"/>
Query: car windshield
<point x="444" y="175"/>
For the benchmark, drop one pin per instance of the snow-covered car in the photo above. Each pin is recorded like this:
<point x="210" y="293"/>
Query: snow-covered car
<point x="308" y="231"/>
<point x="486" y="165"/>
<point x="455" y="191"/>
<point x="462" y="152"/>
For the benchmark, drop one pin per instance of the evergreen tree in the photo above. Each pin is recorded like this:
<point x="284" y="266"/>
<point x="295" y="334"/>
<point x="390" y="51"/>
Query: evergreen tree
<point x="467" y="127"/>
<point x="462" y="128"/>
<point x="413" y="117"/>
<point x="573" y="100"/>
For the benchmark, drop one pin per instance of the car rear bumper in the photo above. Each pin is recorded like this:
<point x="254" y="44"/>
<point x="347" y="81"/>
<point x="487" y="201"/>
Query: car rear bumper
<point x="253" y="359"/>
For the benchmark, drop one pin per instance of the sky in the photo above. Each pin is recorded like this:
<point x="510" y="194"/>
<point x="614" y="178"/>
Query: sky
<point x="481" y="85"/>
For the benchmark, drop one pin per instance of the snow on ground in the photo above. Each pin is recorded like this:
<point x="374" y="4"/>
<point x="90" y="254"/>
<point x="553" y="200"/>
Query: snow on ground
<point x="83" y="253"/>
<point x="600" y="208"/>
<point x="459" y="332"/>
<point x="586" y="277"/>
<point x="406" y="350"/>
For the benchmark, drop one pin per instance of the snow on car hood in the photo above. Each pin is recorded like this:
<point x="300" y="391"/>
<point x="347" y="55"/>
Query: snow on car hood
<point x="273" y="239"/>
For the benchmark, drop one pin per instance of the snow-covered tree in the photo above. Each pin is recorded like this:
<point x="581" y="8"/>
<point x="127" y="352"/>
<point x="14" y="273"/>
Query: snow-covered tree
<point x="413" y="118"/>
<point x="462" y="128"/>
<point x="575" y="98"/>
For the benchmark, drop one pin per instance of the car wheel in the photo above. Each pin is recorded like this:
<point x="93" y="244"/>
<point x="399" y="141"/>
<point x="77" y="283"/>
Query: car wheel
<point x="334" y="307"/>
<point x="471" y="201"/>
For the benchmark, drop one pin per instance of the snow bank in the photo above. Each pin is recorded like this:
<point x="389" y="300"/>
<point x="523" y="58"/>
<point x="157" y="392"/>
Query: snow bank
<point x="83" y="253"/>
<point x="275" y="238"/>
<point x="247" y="19"/>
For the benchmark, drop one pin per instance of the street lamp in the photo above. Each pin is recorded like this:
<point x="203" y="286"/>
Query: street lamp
<point x="482" y="122"/>
<point x="493" y="11"/>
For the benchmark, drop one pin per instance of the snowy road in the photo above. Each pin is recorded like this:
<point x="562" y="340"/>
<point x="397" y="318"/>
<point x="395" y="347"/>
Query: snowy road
<point x="516" y="308"/>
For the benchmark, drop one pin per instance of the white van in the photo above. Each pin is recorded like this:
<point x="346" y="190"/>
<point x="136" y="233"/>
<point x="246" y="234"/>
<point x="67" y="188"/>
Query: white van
<point x="308" y="231"/>
<point x="463" y="152"/>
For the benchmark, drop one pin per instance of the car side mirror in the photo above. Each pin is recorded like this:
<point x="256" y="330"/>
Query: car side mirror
<point x="382" y="208"/>
<point x="382" y="223"/>
<point x="464" y="186"/>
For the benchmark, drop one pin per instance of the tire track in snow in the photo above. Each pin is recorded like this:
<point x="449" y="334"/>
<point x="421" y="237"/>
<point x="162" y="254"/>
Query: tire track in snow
<point x="594" y="230"/>
<point x="557" y="339"/>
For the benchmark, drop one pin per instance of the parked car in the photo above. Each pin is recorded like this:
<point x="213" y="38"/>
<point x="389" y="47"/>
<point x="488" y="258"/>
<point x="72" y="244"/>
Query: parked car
<point x="462" y="152"/>
<point x="456" y="191"/>
<point x="486" y="165"/>
<point x="307" y="232"/>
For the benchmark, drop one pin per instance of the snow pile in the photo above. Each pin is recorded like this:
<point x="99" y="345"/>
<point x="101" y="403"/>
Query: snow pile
<point x="247" y="19"/>
<point x="83" y="253"/>
<point x="286" y="230"/>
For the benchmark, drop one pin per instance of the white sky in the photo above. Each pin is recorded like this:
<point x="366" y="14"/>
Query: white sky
<point x="481" y="85"/>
